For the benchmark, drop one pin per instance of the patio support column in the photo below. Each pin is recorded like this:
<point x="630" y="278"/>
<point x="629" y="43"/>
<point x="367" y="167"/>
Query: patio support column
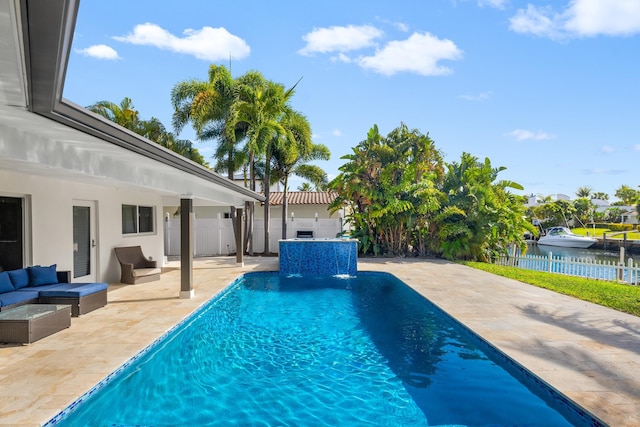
<point x="186" y="248"/>
<point x="239" y="237"/>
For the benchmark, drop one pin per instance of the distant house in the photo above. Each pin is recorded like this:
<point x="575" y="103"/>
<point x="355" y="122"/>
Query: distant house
<point x="630" y="216"/>
<point x="308" y="213"/>
<point x="304" y="204"/>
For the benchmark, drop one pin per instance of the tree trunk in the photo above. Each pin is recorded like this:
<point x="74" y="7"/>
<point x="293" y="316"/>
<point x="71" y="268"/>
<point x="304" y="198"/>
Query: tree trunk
<point x="250" y="206"/>
<point x="285" y="207"/>
<point x="232" y="213"/>
<point x="267" y="205"/>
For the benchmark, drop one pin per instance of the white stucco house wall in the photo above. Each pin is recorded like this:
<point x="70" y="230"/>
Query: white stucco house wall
<point x="73" y="185"/>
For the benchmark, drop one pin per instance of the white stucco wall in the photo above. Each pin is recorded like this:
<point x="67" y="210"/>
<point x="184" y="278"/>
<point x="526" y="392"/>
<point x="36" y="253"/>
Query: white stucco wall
<point x="300" y="211"/>
<point x="50" y="218"/>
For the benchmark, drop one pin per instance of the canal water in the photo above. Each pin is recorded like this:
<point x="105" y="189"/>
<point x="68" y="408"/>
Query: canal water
<point x="592" y="263"/>
<point x="590" y="254"/>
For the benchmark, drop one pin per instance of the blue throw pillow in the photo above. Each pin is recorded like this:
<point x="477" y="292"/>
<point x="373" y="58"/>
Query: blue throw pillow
<point x="19" y="278"/>
<point x="39" y="276"/>
<point x="5" y="283"/>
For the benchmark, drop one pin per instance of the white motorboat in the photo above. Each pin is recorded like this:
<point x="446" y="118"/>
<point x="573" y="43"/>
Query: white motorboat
<point x="563" y="237"/>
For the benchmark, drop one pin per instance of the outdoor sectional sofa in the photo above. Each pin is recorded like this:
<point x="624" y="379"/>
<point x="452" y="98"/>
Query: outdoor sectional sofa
<point x="45" y="285"/>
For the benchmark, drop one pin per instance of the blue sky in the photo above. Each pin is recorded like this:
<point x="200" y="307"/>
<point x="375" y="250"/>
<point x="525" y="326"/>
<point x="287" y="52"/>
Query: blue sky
<point x="549" y="90"/>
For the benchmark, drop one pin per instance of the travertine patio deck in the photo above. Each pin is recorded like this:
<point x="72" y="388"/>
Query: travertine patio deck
<point x="590" y="353"/>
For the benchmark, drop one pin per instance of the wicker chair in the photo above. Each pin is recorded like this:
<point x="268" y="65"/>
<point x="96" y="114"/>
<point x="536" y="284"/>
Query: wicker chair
<point x="136" y="268"/>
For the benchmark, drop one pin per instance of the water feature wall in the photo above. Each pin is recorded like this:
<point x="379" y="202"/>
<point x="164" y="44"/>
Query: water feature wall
<point x="319" y="257"/>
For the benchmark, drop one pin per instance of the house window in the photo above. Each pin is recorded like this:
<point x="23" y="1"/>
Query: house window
<point x="137" y="219"/>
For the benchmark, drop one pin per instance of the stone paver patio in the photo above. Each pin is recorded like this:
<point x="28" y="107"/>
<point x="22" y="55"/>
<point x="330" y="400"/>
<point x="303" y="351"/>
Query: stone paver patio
<point x="590" y="353"/>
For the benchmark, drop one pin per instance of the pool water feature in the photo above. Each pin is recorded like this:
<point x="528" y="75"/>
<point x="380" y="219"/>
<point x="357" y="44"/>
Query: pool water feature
<point x="312" y="257"/>
<point x="322" y="351"/>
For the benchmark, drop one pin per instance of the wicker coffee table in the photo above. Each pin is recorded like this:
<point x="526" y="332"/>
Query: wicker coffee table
<point x="31" y="322"/>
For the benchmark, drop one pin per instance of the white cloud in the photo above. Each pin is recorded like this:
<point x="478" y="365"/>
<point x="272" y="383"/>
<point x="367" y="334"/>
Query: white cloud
<point x="498" y="4"/>
<point x="610" y="17"/>
<point x="342" y="58"/>
<point x="207" y="43"/>
<point x="536" y="21"/>
<point x="607" y="149"/>
<point x="580" y="18"/>
<point x="525" y="135"/>
<point x="336" y="132"/>
<point x="100" y="51"/>
<point x="478" y="97"/>
<point x="419" y="54"/>
<point x="401" y="26"/>
<point x="601" y="171"/>
<point x="339" y="39"/>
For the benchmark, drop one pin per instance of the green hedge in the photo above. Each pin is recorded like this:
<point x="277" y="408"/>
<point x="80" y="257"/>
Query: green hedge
<point x="621" y="227"/>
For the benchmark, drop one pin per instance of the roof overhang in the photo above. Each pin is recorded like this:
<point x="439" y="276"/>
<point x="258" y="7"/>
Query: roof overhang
<point x="41" y="133"/>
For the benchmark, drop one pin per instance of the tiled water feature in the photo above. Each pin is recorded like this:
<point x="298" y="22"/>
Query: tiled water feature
<point x="319" y="257"/>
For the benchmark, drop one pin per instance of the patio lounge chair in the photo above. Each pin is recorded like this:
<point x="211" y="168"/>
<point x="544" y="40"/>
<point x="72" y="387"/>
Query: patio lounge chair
<point x="136" y="268"/>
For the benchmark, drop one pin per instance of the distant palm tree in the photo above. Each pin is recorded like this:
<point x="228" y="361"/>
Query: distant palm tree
<point x="600" y="196"/>
<point x="305" y="186"/>
<point x="584" y="192"/>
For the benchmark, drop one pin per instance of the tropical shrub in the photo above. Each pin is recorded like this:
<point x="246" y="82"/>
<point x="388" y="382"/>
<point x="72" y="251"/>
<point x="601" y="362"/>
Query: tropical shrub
<point x="401" y="202"/>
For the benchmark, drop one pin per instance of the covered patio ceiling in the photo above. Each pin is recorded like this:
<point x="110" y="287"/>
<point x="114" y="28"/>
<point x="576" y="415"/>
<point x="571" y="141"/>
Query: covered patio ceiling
<point x="45" y="135"/>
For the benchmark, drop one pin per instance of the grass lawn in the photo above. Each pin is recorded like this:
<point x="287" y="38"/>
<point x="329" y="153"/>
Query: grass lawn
<point x="618" y="296"/>
<point x="598" y="232"/>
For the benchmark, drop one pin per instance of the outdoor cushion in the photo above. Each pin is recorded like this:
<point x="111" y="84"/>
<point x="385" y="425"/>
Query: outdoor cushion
<point x="38" y="288"/>
<point x="73" y="289"/>
<point x="5" y="283"/>
<point x="140" y="272"/>
<point x="9" y="298"/>
<point x="19" y="278"/>
<point x="39" y="275"/>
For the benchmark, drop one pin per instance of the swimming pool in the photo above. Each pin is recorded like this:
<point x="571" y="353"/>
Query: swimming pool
<point x="311" y="351"/>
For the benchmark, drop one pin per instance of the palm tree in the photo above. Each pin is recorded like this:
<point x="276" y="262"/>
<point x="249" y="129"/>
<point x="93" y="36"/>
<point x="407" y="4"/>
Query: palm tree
<point x="125" y="115"/>
<point x="305" y="186"/>
<point x="262" y="106"/>
<point x="209" y="107"/>
<point x="291" y="155"/>
<point x="600" y="196"/>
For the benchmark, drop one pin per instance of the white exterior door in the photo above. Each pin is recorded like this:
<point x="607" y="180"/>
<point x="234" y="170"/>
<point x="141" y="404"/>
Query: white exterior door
<point x="85" y="244"/>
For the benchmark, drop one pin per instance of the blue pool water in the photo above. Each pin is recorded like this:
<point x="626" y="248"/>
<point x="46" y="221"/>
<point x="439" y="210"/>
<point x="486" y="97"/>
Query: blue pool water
<point x="360" y="351"/>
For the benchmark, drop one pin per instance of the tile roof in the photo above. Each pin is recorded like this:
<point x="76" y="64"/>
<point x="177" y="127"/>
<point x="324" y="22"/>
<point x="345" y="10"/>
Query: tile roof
<point x="303" y="197"/>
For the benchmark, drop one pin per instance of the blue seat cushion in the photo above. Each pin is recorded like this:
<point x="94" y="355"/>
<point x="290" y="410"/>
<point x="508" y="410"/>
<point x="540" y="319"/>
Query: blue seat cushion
<point x="9" y="298"/>
<point x="19" y="278"/>
<point x="38" y="288"/>
<point x="74" y="290"/>
<point x="5" y="283"/>
<point x="39" y="275"/>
